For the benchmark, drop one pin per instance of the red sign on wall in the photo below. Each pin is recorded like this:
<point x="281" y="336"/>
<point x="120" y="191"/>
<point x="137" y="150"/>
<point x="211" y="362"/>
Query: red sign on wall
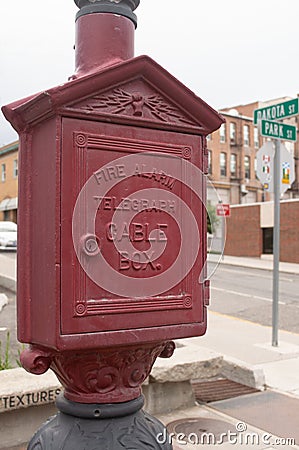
<point x="223" y="210"/>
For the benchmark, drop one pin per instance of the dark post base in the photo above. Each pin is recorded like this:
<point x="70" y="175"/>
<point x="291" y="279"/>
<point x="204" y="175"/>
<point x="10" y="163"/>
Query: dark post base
<point x="117" y="426"/>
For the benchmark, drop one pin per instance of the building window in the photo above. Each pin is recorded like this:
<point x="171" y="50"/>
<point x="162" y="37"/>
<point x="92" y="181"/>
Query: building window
<point x="247" y="167"/>
<point x="268" y="241"/>
<point x="3" y="172"/>
<point x="255" y="168"/>
<point x="256" y="137"/>
<point x="233" y="165"/>
<point x="223" y="164"/>
<point x="246" y="135"/>
<point x="210" y="162"/>
<point x="232" y="132"/>
<point x="15" y="168"/>
<point x="222" y="132"/>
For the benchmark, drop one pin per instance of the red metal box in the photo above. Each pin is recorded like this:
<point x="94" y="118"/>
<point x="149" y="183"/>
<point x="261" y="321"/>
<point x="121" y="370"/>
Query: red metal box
<point x="112" y="212"/>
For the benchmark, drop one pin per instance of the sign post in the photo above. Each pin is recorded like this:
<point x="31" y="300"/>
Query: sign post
<point x="278" y="131"/>
<point x="276" y="245"/>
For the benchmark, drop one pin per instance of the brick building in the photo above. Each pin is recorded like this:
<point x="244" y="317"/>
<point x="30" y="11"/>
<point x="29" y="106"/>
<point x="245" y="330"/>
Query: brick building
<point x="232" y="150"/>
<point x="293" y="148"/>
<point x="250" y="230"/>
<point x="9" y="182"/>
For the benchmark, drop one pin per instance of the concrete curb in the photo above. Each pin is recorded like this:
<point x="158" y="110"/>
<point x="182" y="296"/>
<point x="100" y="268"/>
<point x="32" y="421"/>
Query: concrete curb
<point x="188" y="362"/>
<point x="26" y="401"/>
<point x="254" y="263"/>
<point x="243" y="373"/>
<point x="19" y="389"/>
<point x="249" y="265"/>
<point x="8" y="283"/>
<point x="194" y="363"/>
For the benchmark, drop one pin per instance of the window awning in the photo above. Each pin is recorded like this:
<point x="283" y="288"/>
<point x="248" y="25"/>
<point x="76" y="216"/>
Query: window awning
<point x="8" y="204"/>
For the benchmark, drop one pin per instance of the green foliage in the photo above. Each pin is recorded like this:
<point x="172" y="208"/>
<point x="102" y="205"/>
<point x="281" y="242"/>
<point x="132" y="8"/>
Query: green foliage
<point x="5" y="359"/>
<point x="18" y="360"/>
<point x="212" y="218"/>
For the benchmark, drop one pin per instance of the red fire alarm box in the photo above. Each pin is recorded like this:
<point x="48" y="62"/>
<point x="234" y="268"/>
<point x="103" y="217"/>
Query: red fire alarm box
<point x="112" y="218"/>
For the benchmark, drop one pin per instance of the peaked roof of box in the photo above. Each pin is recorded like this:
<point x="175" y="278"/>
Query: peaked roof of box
<point x="138" y="92"/>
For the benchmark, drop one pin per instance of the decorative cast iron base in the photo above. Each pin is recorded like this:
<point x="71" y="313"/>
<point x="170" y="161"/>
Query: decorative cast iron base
<point x="118" y="426"/>
<point x="104" y="376"/>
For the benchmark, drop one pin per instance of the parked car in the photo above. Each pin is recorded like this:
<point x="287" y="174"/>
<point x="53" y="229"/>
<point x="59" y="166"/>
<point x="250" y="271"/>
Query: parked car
<point x="8" y="235"/>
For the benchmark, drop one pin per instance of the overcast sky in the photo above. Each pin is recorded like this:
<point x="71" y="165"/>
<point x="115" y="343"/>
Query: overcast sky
<point x="227" y="51"/>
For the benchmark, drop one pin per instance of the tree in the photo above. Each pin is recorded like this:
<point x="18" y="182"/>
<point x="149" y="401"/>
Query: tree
<point x="212" y="218"/>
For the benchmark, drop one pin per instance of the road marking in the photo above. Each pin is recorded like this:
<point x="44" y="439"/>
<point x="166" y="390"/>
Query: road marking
<point x="267" y="299"/>
<point x="3" y="328"/>
<point x="246" y="272"/>
<point x="242" y="294"/>
<point x="228" y="291"/>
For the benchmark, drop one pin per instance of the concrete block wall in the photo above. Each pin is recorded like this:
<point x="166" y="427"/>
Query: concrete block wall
<point x="245" y="230"/>
<point x="26" y="402"/>
<point x="289" y="231"/>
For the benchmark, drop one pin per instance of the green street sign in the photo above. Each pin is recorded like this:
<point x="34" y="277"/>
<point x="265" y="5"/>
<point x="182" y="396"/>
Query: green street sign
<point x="277" y="130"/>
<point x="277" y="112"/>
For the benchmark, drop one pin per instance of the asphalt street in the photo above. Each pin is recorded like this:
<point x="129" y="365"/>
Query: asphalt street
<point x="247" y="293"/>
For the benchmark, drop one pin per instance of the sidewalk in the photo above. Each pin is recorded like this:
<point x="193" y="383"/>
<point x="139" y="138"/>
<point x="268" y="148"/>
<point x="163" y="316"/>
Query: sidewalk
<point x="273" y="412"/>
<point x="253" y="345"/>
<point x="250" y="343"/>
<point x="246" y="344"/>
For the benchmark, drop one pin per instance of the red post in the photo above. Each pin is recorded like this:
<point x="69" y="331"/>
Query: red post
<point x="102" y="40"/>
